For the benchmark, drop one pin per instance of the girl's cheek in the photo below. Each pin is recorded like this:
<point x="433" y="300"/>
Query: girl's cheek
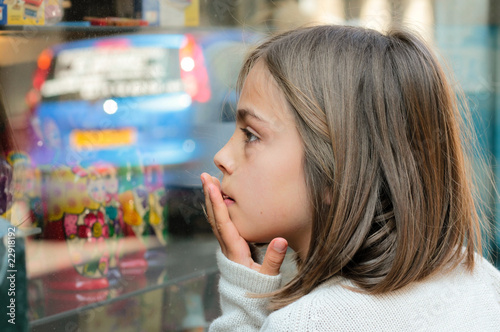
<point x="255" y="151"/>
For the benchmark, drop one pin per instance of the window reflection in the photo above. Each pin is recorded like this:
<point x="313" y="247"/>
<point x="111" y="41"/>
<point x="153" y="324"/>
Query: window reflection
<point x="114" y="126"/>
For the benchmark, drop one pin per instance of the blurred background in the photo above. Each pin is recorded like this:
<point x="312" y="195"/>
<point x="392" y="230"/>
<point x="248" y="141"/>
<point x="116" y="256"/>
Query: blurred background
<point x="118" y="106"/>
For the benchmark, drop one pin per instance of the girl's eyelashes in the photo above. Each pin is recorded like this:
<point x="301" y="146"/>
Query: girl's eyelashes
<point x="250" y="136"/>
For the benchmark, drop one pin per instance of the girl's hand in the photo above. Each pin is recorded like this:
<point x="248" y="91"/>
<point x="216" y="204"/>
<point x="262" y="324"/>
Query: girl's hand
<point x="233" y="246"/>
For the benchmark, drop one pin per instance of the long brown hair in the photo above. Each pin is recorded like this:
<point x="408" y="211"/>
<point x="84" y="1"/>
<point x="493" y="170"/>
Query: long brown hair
<point x="384" y="162"/>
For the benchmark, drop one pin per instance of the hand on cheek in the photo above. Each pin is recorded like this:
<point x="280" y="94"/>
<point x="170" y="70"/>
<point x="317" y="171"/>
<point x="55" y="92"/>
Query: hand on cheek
<point x="233" y="246"/>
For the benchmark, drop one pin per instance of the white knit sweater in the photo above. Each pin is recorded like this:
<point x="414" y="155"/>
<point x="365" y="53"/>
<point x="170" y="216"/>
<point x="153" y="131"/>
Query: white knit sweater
<point x="456" y="301"/>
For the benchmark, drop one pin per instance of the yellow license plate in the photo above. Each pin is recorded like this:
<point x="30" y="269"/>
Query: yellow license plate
<point x="101" y="139"/>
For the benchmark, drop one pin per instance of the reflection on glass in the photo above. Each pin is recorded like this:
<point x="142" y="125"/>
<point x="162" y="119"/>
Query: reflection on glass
<point x="117" y="125"/>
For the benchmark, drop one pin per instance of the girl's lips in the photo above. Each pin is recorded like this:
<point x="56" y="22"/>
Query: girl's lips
<point x="227" y="199"/>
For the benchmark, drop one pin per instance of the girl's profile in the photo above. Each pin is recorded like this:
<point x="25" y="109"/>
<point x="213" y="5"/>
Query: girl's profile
<point x="348" y="149"/>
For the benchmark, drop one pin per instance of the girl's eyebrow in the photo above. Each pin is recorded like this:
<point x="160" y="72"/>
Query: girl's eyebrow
<point x="242" y="114"/>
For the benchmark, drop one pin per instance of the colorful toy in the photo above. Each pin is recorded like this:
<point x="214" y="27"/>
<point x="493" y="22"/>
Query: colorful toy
<point x="157" y="202"/>
<point x="32" y="8"/>
<point x="76" y="214"/>
<point x="114" y="213"/>
<point x="53" y="11"/>
<point x="23" y="192"/>
<point x="155" y="233"/>
<point x="134" y="201"/>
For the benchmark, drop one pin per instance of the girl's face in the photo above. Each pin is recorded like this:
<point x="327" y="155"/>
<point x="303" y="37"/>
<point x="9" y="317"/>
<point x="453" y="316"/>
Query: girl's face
<point x="264" y="184"/>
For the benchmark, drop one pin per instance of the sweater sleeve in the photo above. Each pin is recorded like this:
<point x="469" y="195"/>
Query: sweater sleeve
<point x="240" y="310"/>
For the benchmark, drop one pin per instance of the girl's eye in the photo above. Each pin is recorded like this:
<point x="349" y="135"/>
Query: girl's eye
<point x="250" y="137"/>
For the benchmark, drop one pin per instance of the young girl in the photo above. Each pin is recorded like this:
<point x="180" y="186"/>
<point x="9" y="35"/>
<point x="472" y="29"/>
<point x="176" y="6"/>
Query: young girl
<point x="348" y="150"/>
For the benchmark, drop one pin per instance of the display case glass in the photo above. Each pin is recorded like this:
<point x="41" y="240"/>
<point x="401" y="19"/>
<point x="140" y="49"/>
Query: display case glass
<point x="116" y="109"/>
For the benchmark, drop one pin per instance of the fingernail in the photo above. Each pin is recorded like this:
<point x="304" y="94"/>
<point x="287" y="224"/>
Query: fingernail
<point x="280" y="246"/>
<point x="202" y="179"/>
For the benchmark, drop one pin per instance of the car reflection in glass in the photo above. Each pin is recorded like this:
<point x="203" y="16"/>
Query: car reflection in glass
<point x="125" y="125"/>
<point x="139" y="99"/>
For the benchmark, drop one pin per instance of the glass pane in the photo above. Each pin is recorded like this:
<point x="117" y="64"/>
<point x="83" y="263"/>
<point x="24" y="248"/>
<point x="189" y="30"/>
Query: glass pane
<point x="116" y="109"/>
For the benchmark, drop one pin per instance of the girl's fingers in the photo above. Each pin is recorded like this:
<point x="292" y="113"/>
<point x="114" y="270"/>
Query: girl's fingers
<point x="223" y="224"/>
<point x="274" y="257"/>
<point x="206" y="180"/>
<point x="208" y="205"/>
<point x="233" y="246"/>
<point x="216" y="182"/>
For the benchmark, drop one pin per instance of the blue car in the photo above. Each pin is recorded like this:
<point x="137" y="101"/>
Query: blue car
<point x="148" y="99"/>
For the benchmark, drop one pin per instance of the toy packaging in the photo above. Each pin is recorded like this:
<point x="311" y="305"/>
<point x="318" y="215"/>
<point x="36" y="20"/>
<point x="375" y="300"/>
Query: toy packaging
<point x="172" y="13"/>
<point x="22" y="12"/>
<point x="30" y="12"/>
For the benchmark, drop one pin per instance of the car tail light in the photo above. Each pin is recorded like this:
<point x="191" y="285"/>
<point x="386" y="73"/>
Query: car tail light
<point x="43" y="66"/>
<point x="44" y="63"/>
<point x="193" y="71"/>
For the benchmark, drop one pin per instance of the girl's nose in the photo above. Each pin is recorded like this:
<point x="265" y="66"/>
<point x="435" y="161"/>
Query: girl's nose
<point x="223" y="161"/>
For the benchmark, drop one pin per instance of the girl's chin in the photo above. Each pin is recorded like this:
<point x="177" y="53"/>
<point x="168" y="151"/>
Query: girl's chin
<point x="249" y="239"/>
<point x="256" y="240"/>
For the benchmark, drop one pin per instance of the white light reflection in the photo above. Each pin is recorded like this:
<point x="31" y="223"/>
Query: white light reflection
<point x="189" y="145"/>
<point x="110" y="106"/>
<point x="187" y="63"/>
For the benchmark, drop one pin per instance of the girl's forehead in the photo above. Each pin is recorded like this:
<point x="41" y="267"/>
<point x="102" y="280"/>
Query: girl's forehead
<point x="262" y="90"/>
<point x="260" y="78"/>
